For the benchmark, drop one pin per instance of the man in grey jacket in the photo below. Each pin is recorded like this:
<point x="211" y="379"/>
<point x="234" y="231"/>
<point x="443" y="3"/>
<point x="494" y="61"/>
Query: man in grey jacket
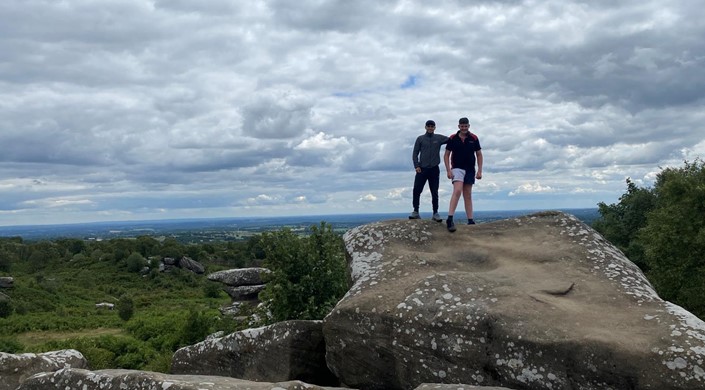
<point x="426" y="159"/>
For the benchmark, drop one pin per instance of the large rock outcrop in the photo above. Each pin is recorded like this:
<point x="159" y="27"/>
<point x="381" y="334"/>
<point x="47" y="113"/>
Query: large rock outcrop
<point x="14" y="369"/>
<point x="537" y="302"/>
<point x="144" y="380"/>
<point x="243" y="285"/>
<point x="279" y="352"/>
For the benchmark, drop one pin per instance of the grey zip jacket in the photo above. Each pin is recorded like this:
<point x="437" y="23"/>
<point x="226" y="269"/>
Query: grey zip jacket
<point x="428" y="146"/>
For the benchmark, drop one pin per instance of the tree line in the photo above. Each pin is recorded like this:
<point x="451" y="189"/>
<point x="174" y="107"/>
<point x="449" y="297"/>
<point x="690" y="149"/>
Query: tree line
<point x="662" y="230"/>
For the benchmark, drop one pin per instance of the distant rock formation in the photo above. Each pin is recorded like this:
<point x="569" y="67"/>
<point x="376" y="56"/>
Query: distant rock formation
<point x="142" y="380"/>
<point x="187" y="263"/>
<point x="15" y="369"/>
<point x="243" y="285"/>
<point x="280" y="352"/>
<point x="240" y="276"/>
<point x="6" y="282"/>
<point x="537" y="302"/>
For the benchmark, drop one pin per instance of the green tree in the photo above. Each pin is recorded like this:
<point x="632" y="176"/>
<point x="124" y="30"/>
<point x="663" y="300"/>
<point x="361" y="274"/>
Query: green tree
<point x="195" y="329"/>
<point x="135" y="262"/>
<point x="674" y="236"/>
<point x="126" y="308"/>
<point x="663" y="231"/>
<point x="620" y="222"/>
<point x="308" y="273"/>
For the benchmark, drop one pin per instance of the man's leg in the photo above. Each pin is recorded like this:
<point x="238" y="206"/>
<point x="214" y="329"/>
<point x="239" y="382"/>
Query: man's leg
<point x="433" y="182"/>
<point x="454" y="198"/>
<point x="419" y="183"/>
<point x="467" y="199"/>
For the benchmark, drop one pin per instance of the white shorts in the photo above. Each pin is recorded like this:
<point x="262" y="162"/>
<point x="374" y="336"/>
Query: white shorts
<point x="459" y="175"/>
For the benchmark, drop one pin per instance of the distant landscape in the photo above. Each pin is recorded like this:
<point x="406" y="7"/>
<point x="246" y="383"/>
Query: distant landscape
<point x="235" y="229"/>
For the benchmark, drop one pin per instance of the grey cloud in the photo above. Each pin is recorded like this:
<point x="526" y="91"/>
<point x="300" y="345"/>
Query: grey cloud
<point x="336" y="15"/>
<point x="276" y="115"/>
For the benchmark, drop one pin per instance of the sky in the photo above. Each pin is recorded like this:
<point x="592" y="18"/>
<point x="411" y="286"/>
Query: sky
<point x="119" y="110"/>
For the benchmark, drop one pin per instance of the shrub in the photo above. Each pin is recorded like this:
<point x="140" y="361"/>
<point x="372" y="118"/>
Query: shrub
<point x="308" y="273"/>
<point x="10" y="345"/>
<point x="135" y="262"/>
<point x="5" y="308"/>
<point x="126" y="308"/>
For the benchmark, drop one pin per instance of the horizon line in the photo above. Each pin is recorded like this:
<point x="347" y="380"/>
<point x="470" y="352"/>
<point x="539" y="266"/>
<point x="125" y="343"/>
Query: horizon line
<point x="164" y="220"/>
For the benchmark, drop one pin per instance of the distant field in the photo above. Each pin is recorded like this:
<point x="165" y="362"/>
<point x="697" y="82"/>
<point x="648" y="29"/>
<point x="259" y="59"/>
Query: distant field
<point x="233" y="229"/>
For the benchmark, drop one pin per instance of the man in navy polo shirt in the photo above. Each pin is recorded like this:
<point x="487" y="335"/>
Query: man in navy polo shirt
<point x="462" y="152"/>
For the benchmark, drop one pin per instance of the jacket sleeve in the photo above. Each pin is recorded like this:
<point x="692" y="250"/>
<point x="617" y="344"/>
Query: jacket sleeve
<point x="415" y="154"/>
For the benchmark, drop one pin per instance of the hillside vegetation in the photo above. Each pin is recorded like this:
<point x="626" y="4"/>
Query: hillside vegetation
<point x="662" y="230"/>
<point x="58" y="283"/>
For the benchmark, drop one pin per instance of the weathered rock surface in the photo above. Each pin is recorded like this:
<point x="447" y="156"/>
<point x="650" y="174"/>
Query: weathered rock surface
<point x="192" y="265"/>
<point x="14" y="369"/>
<point x="435" y="386"/>
<point x="538" y="302"/>
<point x="280" y="352"/>
<point x="6" y="282"/>
<point x="244" y="293"/>
<point x="239" y="277"/>
<point x="143" y="380"/>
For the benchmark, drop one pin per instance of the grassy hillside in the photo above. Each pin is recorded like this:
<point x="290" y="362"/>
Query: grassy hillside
<point x="57" y="285"/>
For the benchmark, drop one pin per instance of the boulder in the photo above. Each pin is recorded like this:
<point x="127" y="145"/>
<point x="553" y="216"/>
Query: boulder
<point x="6" y="282"/>
<point x="235" y="309"/>
<point x="192" y="265"/>
<point x="436" y="386"/>
<point x="143" y="380"/>
<point x="239" y="277"/>
<point x="14" y="369"/>
<point x="537" y="302"/>
<point x="291" y="350"/>
<point x="244" y="293"/>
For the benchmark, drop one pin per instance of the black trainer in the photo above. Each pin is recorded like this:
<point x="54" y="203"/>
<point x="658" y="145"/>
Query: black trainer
<point x="471" y="221"/>
<point x="451" y="225"/>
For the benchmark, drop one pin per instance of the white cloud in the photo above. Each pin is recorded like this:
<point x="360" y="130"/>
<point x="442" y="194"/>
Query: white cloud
<point x="367" y="198"/>
<point x="531" y="188"/>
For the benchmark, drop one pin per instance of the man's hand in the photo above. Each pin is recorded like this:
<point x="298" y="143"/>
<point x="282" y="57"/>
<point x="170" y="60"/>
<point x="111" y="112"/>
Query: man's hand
<point x="478" y="176"/>
<point x="449" y="174"/>
<point x="418" y="169"/>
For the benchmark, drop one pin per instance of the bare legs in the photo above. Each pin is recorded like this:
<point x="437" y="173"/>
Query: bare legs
<point x="466" y="190"/>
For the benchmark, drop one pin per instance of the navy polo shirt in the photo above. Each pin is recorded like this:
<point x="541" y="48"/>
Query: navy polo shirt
<point x="463" y="152"/>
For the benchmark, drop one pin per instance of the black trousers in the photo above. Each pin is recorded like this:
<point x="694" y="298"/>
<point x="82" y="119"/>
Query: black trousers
<point x="432" y="176"/>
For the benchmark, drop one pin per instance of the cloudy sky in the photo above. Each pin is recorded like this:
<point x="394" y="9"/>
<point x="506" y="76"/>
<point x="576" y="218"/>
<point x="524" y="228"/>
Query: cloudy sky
<point x="159" y="109"/>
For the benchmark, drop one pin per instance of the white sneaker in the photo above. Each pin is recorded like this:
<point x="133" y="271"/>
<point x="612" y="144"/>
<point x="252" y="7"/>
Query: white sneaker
<point x="414" y="215"/>
<point x="437" y="217"/>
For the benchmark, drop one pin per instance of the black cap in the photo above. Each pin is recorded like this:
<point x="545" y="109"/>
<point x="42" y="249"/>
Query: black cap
<point x="463" y="121"/>
<point x="430" y="123"/>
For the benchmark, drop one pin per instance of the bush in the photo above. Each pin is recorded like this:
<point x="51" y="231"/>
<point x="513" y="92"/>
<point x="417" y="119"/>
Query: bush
<point x="212" y="289"/>
<point x="195" y="329"/>
<point x="5" y="308"/>
<point x="308" y="273"/>
<point x="10" y="345"/>
<point x="135" y="262"/>
<point x="126" y="308"/>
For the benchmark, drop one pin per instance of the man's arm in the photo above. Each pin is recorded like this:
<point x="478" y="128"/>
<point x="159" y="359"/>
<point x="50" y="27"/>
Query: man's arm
<point x="446" y="162"/>
<point x="415" y="154"/>
<point x="479" y="164"/>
